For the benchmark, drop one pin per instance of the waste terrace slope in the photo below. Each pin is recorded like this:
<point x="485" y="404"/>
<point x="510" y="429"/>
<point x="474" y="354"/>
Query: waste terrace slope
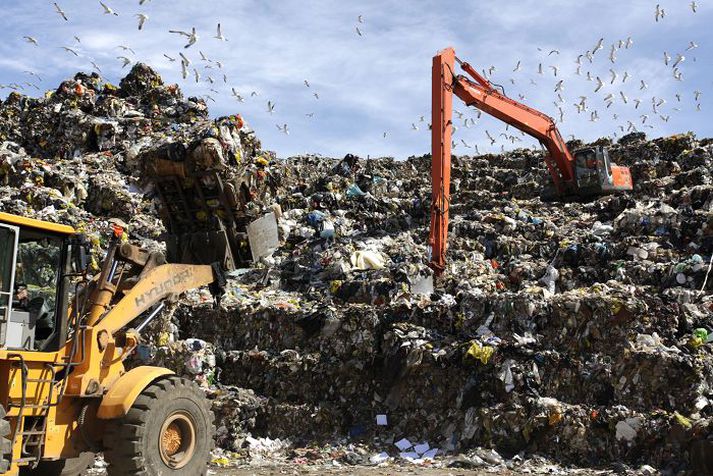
<point x="567" y="329"/>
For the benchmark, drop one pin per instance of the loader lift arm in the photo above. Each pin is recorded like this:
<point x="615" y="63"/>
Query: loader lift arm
<point x="481" y="93"/>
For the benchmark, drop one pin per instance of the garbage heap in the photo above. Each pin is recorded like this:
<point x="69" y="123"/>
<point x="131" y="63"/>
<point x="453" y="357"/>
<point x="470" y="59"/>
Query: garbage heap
<point x="574" y="330"/>
<point x="82" y="153"/>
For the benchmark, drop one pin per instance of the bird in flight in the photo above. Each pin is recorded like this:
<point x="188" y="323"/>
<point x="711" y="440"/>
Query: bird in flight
<point x="598" y="46"/>
<point x="679" y="59"/>
<point x="30" y="39"/>
<point x="270" y="107"/>
<point x="237" y="95"/>
<point x="169" y="58"/>
<point x="60" y="12"/>
<point x="283" y="129"/>
<point x="600" y="84"/>
<point x="360" y="19"/>
<point x="108" y="10"/>
<point x="125" y="61"/>
<point x="358" y="31"/>
<point x="142" y="19"/>
<point x="306" y="83"/>
<point x="70" y="50"/>
<point x="660" y="13"/>
<point x="192" y="36"/>
<point x="694" y="6"/>
<point x="692" y="46"/>
<point x="554" y="52"/>
<point x="219" y="34"/>
<point x="126" y="48"/>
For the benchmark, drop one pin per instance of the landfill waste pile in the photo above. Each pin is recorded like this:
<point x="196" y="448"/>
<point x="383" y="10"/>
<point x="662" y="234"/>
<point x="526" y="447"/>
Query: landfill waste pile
<point x="575" y="332"/>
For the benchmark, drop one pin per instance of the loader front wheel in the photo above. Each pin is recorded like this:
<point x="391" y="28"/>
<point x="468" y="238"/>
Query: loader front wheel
<point x="168" y="431"/>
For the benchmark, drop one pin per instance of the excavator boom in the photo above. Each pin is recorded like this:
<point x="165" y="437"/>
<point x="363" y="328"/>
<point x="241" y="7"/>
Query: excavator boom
<point x="565" y="170"/>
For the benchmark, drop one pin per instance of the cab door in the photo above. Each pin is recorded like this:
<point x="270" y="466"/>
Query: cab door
<point x="9" y="236"/>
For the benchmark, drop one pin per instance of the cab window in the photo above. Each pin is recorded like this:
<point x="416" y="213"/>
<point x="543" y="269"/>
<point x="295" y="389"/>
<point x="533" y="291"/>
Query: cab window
<point x="37" y="273"/>
<point x="7" y="254"/>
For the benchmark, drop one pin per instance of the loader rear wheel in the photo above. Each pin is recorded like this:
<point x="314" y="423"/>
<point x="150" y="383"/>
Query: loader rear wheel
<point x="168" y="431"/>
<point x="5" y="442"/>
<point x="64" y="467"/>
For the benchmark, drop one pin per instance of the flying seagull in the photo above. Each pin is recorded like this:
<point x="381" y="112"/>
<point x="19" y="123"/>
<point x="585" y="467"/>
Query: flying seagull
<point x="237" y="95"/>
<point x="108" y="10"/>
<point x="126" y="48"/>
<point x="192" y="37"/>
<point x="60" y="12"/>
<point x="142" y="19"/>
<point x="126" y="61"/>
<point x="70" y="50"/>
<point x="660" y="13"/>
<point x="30" y="39"/>
<point x="219" y="34"/>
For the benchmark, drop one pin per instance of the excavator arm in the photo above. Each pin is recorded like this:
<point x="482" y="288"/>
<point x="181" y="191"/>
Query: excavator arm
<point x="479" y="92"/>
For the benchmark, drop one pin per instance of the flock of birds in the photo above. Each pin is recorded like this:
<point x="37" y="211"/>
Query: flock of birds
<point x="608" y="88"/>
<point x="617" y="92"/>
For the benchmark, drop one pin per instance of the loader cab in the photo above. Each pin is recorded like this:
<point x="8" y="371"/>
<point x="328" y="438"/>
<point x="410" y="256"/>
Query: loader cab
<point x="34" y="287"/>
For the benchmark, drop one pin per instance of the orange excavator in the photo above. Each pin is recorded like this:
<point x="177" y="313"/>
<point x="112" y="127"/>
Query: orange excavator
<point x="587" y="172"/>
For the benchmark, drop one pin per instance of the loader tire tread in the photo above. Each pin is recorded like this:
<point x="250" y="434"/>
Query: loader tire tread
<point x="127" y="441"/>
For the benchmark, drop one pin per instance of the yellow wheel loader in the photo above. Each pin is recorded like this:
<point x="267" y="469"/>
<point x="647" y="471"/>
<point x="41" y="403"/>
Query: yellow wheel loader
<point x="65" y="393"/>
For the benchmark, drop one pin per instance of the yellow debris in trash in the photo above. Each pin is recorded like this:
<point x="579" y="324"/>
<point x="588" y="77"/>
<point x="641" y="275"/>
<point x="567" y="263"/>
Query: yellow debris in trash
<point x="221" y="461"/>
<point x="335" y="285"/>
<point x="480" y="352"/>
<point x="682" y="420"/>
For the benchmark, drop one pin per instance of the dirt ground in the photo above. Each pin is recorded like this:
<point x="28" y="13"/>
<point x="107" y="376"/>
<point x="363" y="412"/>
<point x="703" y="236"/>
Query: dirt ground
<point x="371" y="471"/>
<point x="291" y="470"/>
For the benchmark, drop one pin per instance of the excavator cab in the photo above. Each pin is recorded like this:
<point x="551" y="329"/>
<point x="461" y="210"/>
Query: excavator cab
<point x="596" y="174"/>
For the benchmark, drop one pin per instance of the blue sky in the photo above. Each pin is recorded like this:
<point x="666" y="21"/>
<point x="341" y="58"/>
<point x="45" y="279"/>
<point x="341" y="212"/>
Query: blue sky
<point x="380" y="82"/>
